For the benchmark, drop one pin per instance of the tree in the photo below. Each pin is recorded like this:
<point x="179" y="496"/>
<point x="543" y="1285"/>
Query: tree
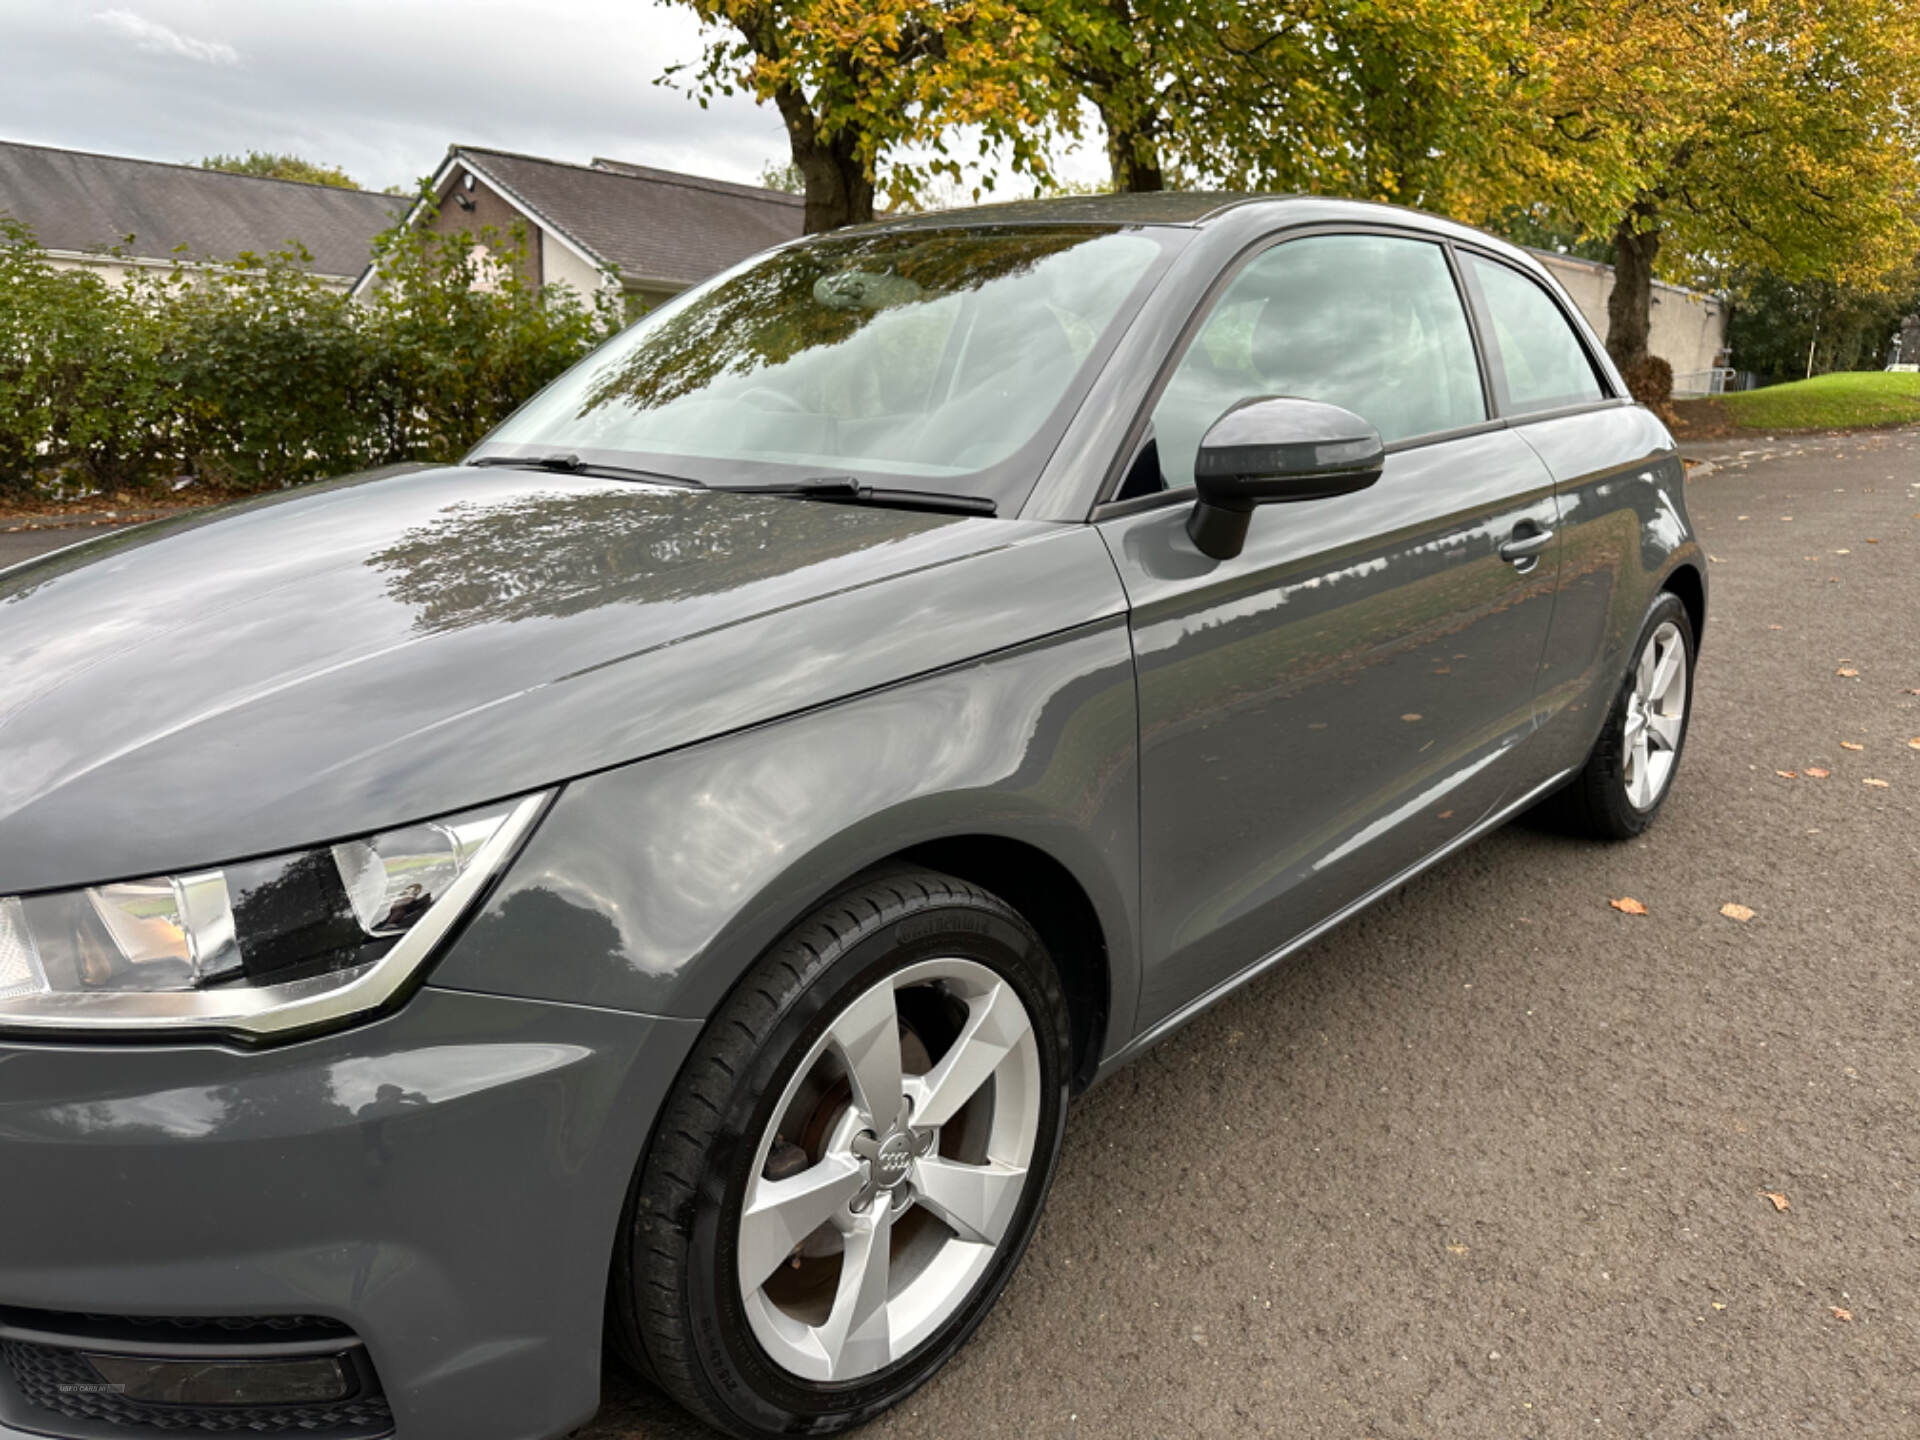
<point x="1409" y="102"/>
<point x="1777" y="135"/>
<point x="1164" y="76"/>
<point x="783" y="175"/>
<point x="1399" y="100"/>
<point x="857" y="84"/>
<point x="1782" y="328"/>
<point x="281" y="167"/>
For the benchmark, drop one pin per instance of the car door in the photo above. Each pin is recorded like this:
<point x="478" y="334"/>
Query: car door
<point x="1353" y="690"/>
<point x="1614" y="468"/>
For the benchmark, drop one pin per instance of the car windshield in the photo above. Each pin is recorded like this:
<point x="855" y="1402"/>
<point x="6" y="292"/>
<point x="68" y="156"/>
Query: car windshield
<point x="924" y="359"/>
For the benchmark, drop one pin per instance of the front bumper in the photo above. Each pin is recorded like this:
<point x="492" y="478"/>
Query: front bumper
<point x="445" y="1183"/>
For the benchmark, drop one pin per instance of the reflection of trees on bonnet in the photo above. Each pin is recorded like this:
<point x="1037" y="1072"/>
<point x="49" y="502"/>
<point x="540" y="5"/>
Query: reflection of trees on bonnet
<point x="557" y="554"/>
<point x="781" y="307"/>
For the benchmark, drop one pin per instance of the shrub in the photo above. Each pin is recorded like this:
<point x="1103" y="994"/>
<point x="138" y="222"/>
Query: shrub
<point x="1651" y="383"/>
<point x="253" y="375"/>
<point x="83" y="395"/>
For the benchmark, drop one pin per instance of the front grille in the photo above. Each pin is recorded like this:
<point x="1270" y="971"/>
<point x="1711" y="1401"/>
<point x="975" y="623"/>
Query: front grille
<point x="56" y="1391"/>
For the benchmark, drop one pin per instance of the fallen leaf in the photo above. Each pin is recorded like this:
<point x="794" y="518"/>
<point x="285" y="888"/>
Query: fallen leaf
<point x="1719" y="1305"/>
<point x="1873" y="540"/>
<point x="1736" y="912"/>
<point x="1877" y="784"/>
<point x="1840" y="1314"/>
<point x="1456" y="1249"/>
<point x="1409" y="718"/>
<point x="1627" y="905"/>
<point x="1816" y="773"/>
<point x="1780" y="1202"/>
<point x="1444" y="815"/>
<point x="1850" y="745"/>
<point x="1847" y="672"/>
<point x="1787" y="774"/>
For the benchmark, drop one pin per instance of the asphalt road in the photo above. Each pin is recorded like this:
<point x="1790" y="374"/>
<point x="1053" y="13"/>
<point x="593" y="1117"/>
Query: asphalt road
<point x="1491" y="1160"/>
<point x="18" y="545"/>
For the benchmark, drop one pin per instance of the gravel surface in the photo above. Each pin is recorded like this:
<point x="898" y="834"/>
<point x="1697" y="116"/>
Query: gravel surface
<point x="1493" y="1159"/>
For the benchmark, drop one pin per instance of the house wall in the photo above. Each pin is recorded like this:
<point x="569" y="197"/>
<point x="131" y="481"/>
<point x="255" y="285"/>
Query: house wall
<point x="489" y="208"/>
<point x="564" y="267"/>
<point x="115" y="269"/>
<point x="1689" y="329"/>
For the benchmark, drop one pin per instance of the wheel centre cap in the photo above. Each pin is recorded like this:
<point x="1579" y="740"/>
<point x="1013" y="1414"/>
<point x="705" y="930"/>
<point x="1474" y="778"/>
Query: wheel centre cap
<point x="893" y="1160"/>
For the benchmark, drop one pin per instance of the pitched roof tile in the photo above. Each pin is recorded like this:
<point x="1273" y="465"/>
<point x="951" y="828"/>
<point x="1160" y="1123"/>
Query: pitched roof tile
<point x="655" y="225"/>
<point x="90" y="203"/>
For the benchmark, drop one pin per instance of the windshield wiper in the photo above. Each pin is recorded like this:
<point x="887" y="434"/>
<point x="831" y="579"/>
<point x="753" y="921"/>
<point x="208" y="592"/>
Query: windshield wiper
<point x="847" y="490"/>
<point x="567" y="463"/>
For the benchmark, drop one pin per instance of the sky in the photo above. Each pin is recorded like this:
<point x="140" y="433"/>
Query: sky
<point x="379" y="88"/>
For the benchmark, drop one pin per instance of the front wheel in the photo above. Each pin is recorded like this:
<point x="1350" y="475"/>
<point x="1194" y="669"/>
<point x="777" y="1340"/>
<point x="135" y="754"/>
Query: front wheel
<point x="1620" y="789"/>
<point x="851" y="1163"/>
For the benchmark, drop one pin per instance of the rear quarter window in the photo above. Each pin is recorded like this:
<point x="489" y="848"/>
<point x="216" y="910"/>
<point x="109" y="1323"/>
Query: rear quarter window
<point x="1545" y="365"/>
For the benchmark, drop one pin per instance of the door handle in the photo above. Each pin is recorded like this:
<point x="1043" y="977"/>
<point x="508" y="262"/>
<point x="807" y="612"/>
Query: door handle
<point x="1522" y="548"/>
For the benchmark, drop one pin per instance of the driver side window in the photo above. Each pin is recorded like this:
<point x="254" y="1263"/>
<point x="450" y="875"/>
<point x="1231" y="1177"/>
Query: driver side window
<point x="1370" y="322"/>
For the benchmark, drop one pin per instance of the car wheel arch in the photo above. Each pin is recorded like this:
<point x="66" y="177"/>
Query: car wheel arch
<point x="1052" y="894"/>
<point x="1686" y="581"/>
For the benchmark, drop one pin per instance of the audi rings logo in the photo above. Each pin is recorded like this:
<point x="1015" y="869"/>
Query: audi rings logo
<point x="894" y="1159"/>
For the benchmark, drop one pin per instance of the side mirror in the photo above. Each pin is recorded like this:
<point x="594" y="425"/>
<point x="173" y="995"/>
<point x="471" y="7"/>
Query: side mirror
<point x="1268" y="450"/>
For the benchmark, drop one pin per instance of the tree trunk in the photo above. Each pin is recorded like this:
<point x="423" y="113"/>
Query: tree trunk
<point x="1636" y="242"/>
<point x="1134" y="155"/>
<point x="839" y="191"/>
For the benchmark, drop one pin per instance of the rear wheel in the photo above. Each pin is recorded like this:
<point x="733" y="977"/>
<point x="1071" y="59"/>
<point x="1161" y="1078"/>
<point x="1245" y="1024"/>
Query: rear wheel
<point x="1620" y="789"/>
<point x="852" y="1162"/>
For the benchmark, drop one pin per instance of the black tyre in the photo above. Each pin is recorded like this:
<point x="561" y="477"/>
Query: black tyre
<point x="851" y="1164"/>
<point x="1630" y="773"/>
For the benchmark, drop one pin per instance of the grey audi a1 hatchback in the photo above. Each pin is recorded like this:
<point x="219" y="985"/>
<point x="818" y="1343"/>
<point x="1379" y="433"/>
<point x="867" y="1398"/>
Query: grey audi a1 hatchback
<point x="663" y="878"/>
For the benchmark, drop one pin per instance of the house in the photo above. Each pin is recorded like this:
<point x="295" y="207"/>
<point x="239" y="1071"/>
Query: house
<point x="1689" y="329"/>
<point x="609" y="225"/>
<point x="114" y="215"/>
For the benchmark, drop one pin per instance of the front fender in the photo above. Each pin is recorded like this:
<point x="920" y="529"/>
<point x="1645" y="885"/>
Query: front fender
<point x="654" y="887"/>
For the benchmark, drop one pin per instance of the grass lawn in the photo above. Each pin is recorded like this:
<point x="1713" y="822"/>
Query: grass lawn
<point x="1829" y="402"/>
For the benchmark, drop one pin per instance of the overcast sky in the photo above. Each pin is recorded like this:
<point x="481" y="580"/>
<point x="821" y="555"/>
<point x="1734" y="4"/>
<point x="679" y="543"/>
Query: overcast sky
<point x="377" y="87"/>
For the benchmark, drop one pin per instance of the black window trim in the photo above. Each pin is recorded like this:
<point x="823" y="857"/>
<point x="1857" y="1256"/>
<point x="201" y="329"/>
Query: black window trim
<point x="1486" y="352"/>
<point x="1498" y="395"/>
<point x="1137" y="434"/>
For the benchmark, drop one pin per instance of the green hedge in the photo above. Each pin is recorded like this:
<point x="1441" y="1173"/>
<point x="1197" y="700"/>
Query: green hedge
<point x="254" y="375"/>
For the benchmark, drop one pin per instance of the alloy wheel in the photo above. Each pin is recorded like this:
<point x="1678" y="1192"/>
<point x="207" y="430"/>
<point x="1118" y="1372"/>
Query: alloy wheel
<point x="890" y="1171"/>
<point x="1656" y="716"/>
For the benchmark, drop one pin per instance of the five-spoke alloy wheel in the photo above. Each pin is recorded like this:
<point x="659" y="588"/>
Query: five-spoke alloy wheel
<point x="1656" y="714"/>
<point x="851" y="1163"/>
<point x="1630" y="771"/>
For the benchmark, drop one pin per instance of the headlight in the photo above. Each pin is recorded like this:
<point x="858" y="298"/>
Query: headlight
<point x="257" y="948"/>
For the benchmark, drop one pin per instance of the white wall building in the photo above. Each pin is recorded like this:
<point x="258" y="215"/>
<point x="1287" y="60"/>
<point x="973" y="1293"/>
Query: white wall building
<point x="1689" y="329"/>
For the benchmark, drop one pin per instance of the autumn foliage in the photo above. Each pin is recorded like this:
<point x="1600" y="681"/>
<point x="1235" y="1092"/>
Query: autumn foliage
<point x="1696" y="138"/>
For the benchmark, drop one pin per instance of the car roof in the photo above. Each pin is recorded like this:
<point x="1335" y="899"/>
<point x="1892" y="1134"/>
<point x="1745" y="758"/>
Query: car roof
<point x="1194" y="210"/>
<point x="1160" y="207"/>
<point x="1188" y="209"/>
